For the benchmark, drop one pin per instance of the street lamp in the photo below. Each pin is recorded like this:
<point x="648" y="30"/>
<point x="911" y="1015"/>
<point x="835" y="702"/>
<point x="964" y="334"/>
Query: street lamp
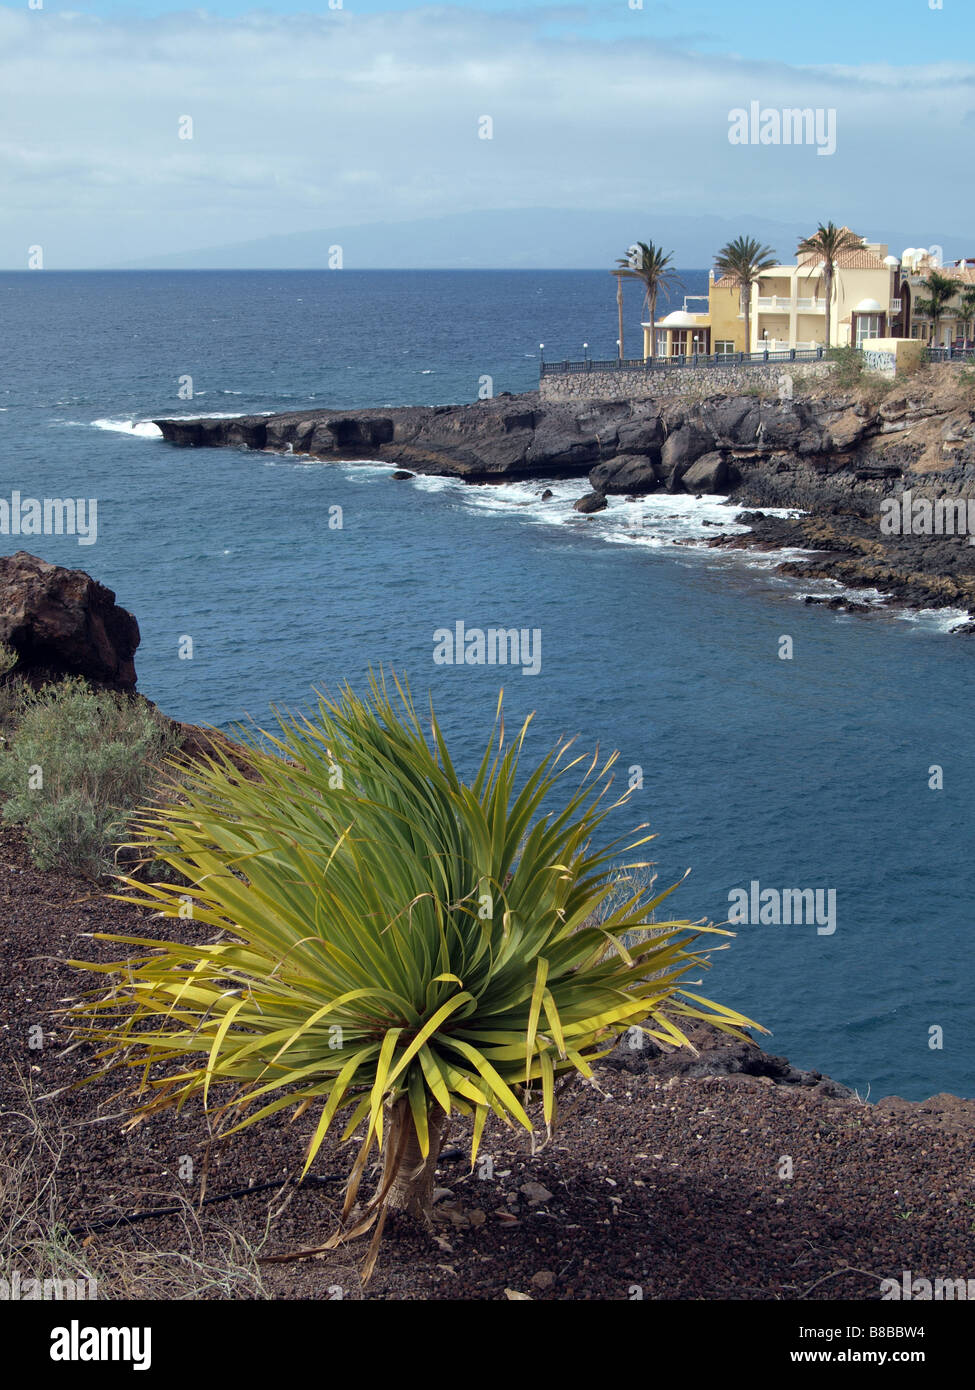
<point x="541" y="348"/>
<point x="585" y="352"/>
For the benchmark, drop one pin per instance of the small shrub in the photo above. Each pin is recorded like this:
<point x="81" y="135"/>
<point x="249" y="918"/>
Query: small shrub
<point x="8" y="659"/>
<point x="849" y="365"/>
<point x="874" y="387"/>
<point x="77" y="763"/>
<point x="13" y="697"/>
<point x="403" y="946"/>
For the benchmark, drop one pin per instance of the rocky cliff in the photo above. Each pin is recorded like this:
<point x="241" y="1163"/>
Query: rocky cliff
<point x="61" y="622"/>
<point x="835" y="455"/>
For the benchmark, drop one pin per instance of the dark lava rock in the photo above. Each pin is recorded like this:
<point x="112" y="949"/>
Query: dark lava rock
<point x="685" y="446"/>
<point x="829" y="458"/>
<point x="708" y="474"/>
<point x="547" y="494"/>
<point x="61" y="622"/>
<point x="716" y="1054"/>
<point x="632" y="473"/>
<point x="592" y="502"/>
<point x="401" y="475"/>
<point x="836" y="603"/>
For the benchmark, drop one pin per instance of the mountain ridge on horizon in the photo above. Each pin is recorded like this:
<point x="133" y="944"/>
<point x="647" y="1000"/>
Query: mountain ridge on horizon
<point x="531" y="239"/>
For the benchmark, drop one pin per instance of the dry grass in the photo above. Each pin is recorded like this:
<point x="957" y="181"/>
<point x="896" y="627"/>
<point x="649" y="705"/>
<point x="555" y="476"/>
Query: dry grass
<point x="215" y="1257"/>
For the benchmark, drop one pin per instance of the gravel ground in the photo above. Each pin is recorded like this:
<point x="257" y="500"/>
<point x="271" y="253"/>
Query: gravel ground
<point x="667" y="1179"/>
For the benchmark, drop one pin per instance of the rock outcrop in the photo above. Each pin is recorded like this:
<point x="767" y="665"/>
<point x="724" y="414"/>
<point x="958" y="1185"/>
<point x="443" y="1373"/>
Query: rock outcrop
<point x="716" y="1054"/>
<point x="832" y="455"/>
<point x="61" y="622"/>
<point x="592" y="502"/>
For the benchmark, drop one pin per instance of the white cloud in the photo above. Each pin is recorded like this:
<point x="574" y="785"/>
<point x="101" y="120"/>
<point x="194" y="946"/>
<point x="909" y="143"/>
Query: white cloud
<point x="338" y="119"/>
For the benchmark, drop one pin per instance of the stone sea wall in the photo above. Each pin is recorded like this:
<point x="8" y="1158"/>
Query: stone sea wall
<point x="629" y="385"/>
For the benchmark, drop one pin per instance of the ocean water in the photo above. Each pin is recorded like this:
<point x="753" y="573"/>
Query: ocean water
<point x="804" y="773"/>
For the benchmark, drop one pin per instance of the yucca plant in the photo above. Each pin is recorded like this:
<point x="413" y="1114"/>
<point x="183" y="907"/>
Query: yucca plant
<point x="395" y="945"/>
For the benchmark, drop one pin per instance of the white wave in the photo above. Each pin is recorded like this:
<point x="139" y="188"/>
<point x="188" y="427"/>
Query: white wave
<point x="927" y="619"/>
<point x="144" y="429"/>
<point x="827" y="588"/>
<point x="934" y="619"/>
<point x="221" y="415"/>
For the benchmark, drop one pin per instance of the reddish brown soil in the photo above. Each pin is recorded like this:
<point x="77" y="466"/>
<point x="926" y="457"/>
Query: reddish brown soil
<point x="657" y="1182"/>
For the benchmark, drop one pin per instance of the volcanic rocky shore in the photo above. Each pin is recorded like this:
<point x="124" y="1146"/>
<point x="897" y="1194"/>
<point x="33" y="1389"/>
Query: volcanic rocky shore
<point x="835" y="456"/>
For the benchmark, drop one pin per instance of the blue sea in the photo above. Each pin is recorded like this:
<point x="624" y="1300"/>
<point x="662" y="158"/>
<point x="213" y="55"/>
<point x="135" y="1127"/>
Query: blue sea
<point x="804" y="773"/>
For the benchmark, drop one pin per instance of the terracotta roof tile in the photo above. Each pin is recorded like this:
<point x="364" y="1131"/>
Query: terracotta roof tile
<point x="859" y="259"/>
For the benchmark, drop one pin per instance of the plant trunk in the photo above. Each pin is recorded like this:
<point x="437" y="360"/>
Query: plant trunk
<point x="829" y="304"/>
<point x="619" y="309"/>
<point x="411" y="1189"/>
<point x="746" y="305"/>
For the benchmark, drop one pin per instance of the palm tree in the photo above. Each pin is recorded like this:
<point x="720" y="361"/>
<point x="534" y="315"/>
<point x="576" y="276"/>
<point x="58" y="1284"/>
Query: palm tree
<point x="619" y="313"/>
<point x="827" y="244"/>
<point x="743" y="260"/>
<point x="648" y="264"/>
<point x="967" y="309"/>
<point x="941" y="291"/>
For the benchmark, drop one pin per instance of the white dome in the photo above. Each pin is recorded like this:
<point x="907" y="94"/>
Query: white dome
<point x="678" y="319"/>
<point x="892" y="261"/>
<point x="868" y="306"/>
<point x="908" y="253"/>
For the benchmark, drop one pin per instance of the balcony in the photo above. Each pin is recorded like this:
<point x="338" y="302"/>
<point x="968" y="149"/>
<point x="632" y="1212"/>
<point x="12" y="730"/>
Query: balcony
<point x="783" y="304"/>
<point x="895" y="306"/>
<point x="779" y="345"/>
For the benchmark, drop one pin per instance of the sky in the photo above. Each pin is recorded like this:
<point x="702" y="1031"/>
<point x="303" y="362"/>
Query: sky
<point x="145" y="133"/>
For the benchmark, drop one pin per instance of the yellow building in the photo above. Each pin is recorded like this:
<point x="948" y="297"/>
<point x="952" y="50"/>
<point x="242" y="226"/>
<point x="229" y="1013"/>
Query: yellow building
<point x="953" y="328"/>
<point x="874" y="296"/>
<point x="727" y="319"/>
<point x="788" y="306"/>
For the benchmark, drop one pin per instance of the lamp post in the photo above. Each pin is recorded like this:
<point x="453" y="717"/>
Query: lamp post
<point x="585" y="353"/>
<point x="541" y="349"/>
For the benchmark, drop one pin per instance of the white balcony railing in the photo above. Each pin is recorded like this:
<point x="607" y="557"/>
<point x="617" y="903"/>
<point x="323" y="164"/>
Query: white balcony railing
<point x="781" y="345"/>
<point x="781" y="303"/>
<point x="895" y="306"/>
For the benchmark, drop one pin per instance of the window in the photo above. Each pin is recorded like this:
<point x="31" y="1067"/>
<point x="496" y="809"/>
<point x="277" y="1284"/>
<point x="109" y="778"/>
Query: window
<point x="869" y="326"/>
<point x="724" y="347"/>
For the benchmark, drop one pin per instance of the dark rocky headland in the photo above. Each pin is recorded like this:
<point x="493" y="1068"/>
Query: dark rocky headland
<point x="835" y="454"/>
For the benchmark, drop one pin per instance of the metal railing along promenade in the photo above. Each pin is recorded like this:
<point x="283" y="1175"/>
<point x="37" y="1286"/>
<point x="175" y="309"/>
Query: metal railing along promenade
<point x="686" y="359"/>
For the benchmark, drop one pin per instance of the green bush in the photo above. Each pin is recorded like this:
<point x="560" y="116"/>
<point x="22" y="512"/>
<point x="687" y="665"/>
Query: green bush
<point x="849" y="365"/>
<point x="76" y="764"/>
<point x="13" y="696"/>
<point x="8" y="659"/>
<point x="398" y="946"/>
